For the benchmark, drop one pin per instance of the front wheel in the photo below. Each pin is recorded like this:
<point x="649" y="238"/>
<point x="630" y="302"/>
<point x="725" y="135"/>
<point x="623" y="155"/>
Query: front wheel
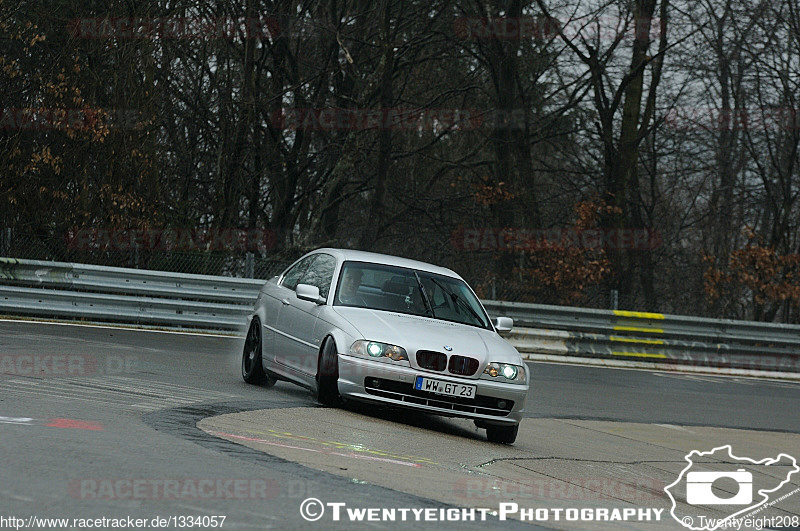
<point x="328" y="375"/>
<point x="502" y="434"/>
<point x="252" y="368"/>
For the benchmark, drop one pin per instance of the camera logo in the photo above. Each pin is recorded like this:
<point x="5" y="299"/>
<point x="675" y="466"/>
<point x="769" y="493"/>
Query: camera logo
<point x="741" y="487"/>
<point x="698" y="488"/>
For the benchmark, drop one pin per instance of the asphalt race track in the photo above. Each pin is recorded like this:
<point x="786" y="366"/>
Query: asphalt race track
<point x="104" y="422"/>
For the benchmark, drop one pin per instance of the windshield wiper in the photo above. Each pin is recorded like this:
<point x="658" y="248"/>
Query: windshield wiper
<point x="428" y="305"/>
<point x="458" y="300"/>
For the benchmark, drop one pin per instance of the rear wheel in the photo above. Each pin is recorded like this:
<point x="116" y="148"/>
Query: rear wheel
<point x="252" y="368"/>
<point x="328" y="375"/>
<point x="502" y="434"/>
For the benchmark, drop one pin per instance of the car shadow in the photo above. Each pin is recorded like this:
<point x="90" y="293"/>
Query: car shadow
<point x="300" y="397"/>
<point x="417" y="419"/>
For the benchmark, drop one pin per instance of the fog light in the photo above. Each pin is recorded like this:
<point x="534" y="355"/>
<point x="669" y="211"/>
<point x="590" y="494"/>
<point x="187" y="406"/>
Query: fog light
<point x="376" y="383"/>
<point x="501" y="404"/>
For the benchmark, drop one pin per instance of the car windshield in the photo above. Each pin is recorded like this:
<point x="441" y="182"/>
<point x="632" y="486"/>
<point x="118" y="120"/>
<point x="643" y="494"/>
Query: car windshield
<point x="402" y="290"/>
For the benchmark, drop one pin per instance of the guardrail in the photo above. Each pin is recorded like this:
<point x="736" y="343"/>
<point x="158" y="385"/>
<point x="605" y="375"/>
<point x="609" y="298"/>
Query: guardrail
<point x="212" y="303"/>
<point x="126" y="296"/>
<point x="653" y="337"/>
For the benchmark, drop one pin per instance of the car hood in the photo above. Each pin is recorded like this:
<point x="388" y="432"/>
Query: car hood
<point x="414" y="333"/>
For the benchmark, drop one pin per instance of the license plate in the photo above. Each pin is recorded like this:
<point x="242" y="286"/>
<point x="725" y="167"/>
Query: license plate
<point x="444" y="388"/>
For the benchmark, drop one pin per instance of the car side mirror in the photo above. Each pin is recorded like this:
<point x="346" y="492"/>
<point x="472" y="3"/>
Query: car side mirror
<point x="504" y="324"/>
<point x="310" y="293"/>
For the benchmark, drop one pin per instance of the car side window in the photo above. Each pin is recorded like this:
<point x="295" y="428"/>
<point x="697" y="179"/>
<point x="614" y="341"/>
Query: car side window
<point x="320" y="273"/>
<point x="292" y="277"/>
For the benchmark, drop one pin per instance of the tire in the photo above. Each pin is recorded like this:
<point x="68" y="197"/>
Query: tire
<point x="502" y="434"/>
<point x="252" y="367"/>
<point x="328" y="375"/>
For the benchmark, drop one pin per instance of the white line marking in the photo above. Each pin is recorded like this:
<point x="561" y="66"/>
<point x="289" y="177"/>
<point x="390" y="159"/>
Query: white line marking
<point x="16" y="497"/>
<point x="673" y="427"/>
<point x="15" y="420"/>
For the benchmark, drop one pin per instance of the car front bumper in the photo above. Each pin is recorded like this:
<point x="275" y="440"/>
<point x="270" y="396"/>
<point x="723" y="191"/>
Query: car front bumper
<point x="391" y="384"/>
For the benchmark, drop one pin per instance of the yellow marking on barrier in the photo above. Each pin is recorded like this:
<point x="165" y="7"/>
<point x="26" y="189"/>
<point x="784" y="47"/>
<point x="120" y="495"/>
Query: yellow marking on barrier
<point x="639" y="315"/>
<point x="632" y="340"/>
<point x="645" y="329"/>
<point x="639" y="355"/>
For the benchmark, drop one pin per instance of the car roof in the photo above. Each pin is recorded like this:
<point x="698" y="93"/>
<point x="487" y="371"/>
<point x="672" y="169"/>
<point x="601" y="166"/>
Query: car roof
<point x="385" y="259"/>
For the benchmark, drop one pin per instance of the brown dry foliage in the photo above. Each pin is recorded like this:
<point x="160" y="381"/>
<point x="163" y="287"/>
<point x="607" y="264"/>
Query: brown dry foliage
<point x="569" y="271"/>
<point x="487" y="193"/>
<point x="771" y="277"/>
<point x="557" y="274"/>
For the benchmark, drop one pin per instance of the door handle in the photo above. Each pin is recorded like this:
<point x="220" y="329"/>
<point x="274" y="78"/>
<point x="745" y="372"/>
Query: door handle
<point x="285" y="301"/>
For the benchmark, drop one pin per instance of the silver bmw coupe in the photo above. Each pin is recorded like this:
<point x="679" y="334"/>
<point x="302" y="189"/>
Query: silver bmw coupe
<point x="352" y="325"/>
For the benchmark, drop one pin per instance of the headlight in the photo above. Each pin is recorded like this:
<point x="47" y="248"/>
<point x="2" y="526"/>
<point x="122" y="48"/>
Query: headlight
<point x="376" y="350"/>
<point x="504" y="372"/>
